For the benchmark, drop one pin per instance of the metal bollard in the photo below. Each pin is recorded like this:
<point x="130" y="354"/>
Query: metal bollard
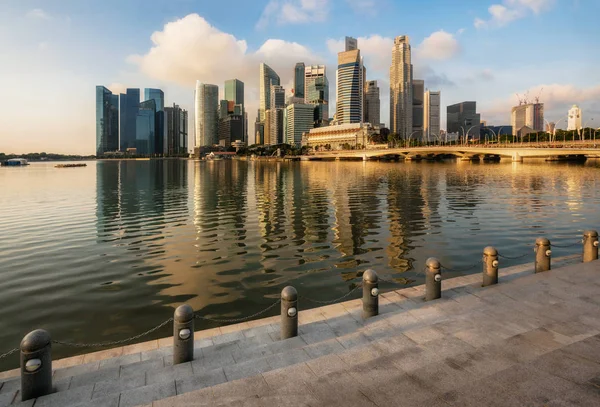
<point x="289" y="312"/>
<point x="370" y="297"/>
<point x="543" y="254"/>
<point x="433" y="279"/>
<point x="490" y="266"/>
<point x="590" y="246"/>
<point x="36" y="365"/>
<point x="183" y="334"/>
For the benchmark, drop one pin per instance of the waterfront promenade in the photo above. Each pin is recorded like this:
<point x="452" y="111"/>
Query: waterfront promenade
<point x="533" y="339"/>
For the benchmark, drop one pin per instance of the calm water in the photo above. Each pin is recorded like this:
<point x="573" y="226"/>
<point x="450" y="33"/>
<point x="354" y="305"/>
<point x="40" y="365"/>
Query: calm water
<point x="105" y="252"/>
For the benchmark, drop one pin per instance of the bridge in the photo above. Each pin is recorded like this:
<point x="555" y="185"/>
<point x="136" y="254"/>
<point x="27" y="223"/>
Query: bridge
<point x="516" y="152"/>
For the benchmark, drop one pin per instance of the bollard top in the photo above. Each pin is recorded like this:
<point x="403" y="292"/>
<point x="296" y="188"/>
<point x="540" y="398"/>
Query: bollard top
<point x="184" y="313"/>
<point x="590" y="233"/>
<point x="542" y="241"/>
<point x="370" y="276"/>
<point x="289" y="293"/>
<point x="490" y="251"/>
<point x="433" y="263"/>
<point x="35" y="340"/>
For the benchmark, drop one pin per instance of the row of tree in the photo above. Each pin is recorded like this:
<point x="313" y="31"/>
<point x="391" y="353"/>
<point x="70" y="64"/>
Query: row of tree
<point x="46" y="157"/>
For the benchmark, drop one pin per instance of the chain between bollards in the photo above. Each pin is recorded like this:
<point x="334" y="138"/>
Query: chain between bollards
<point x="457" y="270"/>
<point x="10" y="352"/>
<point x="513" y="258"/>
<point x="327" y="302"/>
<point x="241" y="319"/>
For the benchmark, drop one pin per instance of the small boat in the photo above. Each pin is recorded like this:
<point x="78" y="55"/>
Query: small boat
<point x="69" y="165"/>
<point x="15" y="162"/>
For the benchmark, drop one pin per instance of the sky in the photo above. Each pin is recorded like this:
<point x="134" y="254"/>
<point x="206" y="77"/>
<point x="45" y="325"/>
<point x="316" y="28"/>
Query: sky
<point x="54" y="52"/>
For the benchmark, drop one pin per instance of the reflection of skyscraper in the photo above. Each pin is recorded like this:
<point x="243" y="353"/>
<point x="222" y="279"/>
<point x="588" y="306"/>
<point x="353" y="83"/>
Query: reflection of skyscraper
<point x="401" y="98"/>
<point x="206" y="114"/>
<point x="107" y="121"/>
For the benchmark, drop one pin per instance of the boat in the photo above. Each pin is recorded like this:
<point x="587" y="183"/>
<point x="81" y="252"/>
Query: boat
<point x="70" y="165"/>
<point x="15" y="162"/>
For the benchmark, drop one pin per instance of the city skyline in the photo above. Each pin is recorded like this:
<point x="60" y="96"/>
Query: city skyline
<point x="458" y="56"/>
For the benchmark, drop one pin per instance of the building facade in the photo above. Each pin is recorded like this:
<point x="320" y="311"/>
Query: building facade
<point x="268" y="77"/>
<point x="230" y="129"/>
<point x="107" y="121"/>
<point x="129" y="104"/>
<point x="418" y="109"/>
<point x="529" y="115"/>
<point x="350" y="87"/>
<point x="234" y="91"/>
<point x="574" y="118"/>
<point x="145" y="140"/>
<point x="463" y="119"/>
<point x="176" y="131"/>
<point x="372" y="104"/>
<point x="298" y="119"/>
<point x="431" y="115"/>
<point x="401" y="98"/>
<point x="299" y="70"/>
<point x="277" y="97"/>
<point x="316" y="93"/>
<point x="206" y="114"/>
<point x="159" y="99"/>
<point x="354" y="134"/>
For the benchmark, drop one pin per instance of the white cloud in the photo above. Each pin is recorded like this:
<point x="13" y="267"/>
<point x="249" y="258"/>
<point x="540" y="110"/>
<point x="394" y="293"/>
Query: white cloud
<point x="293" y="12"/>
<point x="38" y="13"/>
<point x="438" y="46"/>
<point x="511" y="10"/>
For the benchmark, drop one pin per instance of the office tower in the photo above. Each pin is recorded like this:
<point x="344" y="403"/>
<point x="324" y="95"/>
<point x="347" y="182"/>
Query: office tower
<point x="298" y="119"/>
<point x="230" y="129"/>
<point x="418" y="91"/>
<point x="206" y="115"/>
<point x="350" y="87"/>
<point x="299" y="71"/>
<point x="259" y="131"/>
<point x="462" y="118"/>
<point x="268" y="77"/>
<point x="129" y="105"/>
<point x="350" y="44"/>
<point x="316" y="93"/>
<point x="372" y="103"/>
<point x="277" y="97"/>
<point x="159" y="99"/>
<point x="275" y="126"/>
<point x="530" y="115"/>
<point x="401" y="73"/>
<point x="574" y="118"/>
<point x="431" y="115"/>
<point x="146" y="128"/>
<point x="107" y="121"/>
<point x="234" y="91"/>
<point x="176" y="129"/>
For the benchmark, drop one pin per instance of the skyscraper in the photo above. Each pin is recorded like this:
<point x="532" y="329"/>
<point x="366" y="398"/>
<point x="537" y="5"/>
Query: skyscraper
<point x="299" y="70"/>
<point x="350" y="87"/>
<point x="206" y="115"/>
<point x="316" y="92"/>
<point x="234" y="91"/>
<point x="350" y="44"/>
<point x="462" y="118"/>
<point x="129" y="105"/>
<point x="529" y="115"/>
<point x="277" y="97"/>
<point x="159" y="99"/>
<point x="107" y="121"/>
<point x="298" y="119"/>
<point x="176" y="129"/>
<point x="268" y="77"/>
<point x="401" y="98"/>
<point x="431" y="115"/>
<point x="372" y="103"/>
<point x="418" y="91"/>
<point x="574" y="118"/>
<point x="146" y="128"/>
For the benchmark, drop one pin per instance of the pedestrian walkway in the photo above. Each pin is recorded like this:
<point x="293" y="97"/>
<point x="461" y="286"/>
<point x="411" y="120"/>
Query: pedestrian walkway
<point x="531" y="340"/>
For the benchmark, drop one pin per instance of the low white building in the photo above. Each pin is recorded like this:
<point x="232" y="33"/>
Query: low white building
<point x="574" y="122"/>
<point x="352" y="134"/>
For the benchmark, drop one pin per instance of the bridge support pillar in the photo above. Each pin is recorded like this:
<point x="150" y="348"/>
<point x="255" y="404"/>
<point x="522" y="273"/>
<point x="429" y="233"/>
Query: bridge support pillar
<point x="465" y="158"/>
<point x="516" y="158"/>
<point x="365" y="158"/>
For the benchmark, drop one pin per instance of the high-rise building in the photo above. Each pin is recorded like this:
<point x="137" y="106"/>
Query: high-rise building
<point x="268" y="77"/>
<point x="145" y="139"/>
<point x="230" y="129"/>
<point x="418" y="91"/>
<point x="350" y="44"/>
<point x="234" y="91"/>
<point x="574" y="118"/>
<point x="277" y="97"/>
<point x="107" y="121"/>
<point x="350" y="86"/>
<point x="401" y="74"/>
<point x="462" y="118"/>
<point x="530" y="115"/>
<point x="316" y="93"/>
<point x="372" y="103"/>
<point x="129" y="104"/>
<point x="176" y="129"/>
<point x="299" y="70"/>
<point x="206" y="114"/>
<point x="274" y="126"/>
<point x="159" y="99"/>
<point x="298" y="119"/>
<point x="431" y="115"/>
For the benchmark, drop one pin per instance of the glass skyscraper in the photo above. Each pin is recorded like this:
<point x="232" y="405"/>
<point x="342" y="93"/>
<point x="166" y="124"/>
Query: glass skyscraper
<point x="145" y="139"/>
<point x="268" y="77"/>
<point x="107" y="121"/>
<point x="159" y="99"/>
<point x="350" y="87"/>
<point x="129" y="106"/>
<point x="206" y="114"/>
<point x="299" y="80"/>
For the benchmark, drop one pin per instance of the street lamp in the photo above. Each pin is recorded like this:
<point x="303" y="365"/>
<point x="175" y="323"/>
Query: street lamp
<point x="468" y="131"/>
<point x="584" y="126"/>
<point x="554" y="130"/>
<point x="408" y="140"/>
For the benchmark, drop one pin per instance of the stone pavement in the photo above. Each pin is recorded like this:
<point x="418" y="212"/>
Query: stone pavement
<point x="531" y="340"/>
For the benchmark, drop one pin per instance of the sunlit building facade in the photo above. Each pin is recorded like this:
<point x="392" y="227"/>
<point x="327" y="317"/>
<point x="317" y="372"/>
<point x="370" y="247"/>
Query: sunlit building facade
<point x="107" y="121"/>
<point x="206" y="114"/>
<point x="401" y="92"/>
<point x="431" y="115"/>
<point x="268" y="77"/>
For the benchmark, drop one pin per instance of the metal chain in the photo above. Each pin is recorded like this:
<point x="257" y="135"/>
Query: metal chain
<point x="10" y="352"/>
<point x="460" y="271"/>
<point x="333" y="301"/>
<point x="512" y="258"/>
<point x="225" y="321"/>
<point x="565" y="246"/>
<point x="99" y="345"/>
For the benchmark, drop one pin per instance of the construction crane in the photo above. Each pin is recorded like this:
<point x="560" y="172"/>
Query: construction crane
<point x="519" y="99"/>
<point x="537" y="99"/>
<point x="526" y="98"/>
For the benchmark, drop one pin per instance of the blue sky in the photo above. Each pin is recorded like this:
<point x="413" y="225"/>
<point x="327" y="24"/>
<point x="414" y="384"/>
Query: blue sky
<point x="53" y="53"/>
